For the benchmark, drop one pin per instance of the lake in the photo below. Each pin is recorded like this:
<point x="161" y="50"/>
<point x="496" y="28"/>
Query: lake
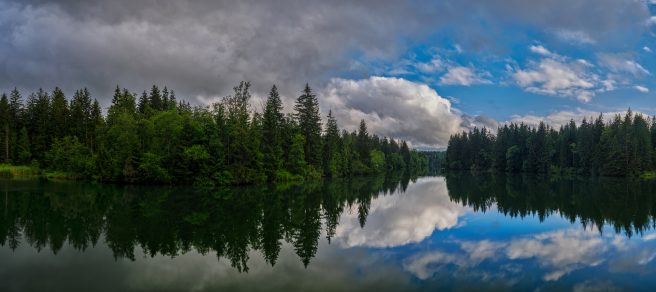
<point x="458" y="232"/>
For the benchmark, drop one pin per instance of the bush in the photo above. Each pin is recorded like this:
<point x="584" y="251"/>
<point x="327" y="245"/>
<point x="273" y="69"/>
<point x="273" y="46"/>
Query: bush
<point x="69" y="155"/>
<point x="286" y="176"/>
<point x="11" y="171"/>
<point x="150" y="169"/>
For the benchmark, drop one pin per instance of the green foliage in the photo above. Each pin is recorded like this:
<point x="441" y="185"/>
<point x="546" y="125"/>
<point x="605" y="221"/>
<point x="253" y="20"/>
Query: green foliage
<point x="24" y="155"/>
<point x="309" y="123"/>
<point x="157" y="141"/>
<point x="69" y="155"/>
<point x="17" y="171"/>
<point x="622" y="147"/>
<point x="151" y="169"/>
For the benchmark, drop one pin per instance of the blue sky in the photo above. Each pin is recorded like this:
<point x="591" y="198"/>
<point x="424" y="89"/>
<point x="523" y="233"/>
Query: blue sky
<point x="414" y="70"/>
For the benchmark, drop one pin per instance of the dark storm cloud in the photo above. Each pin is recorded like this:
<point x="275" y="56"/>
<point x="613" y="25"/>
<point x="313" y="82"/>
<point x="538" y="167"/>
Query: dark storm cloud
<point x="202" y="48"/>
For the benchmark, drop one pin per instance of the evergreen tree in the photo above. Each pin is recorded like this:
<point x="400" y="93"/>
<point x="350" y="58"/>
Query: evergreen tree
<point x="363" y="142"/>
<point x="309" y="122"/>
<point x="144" y="103"/>
<point x="272" y="134"/>
<point x="23" y="147"/>
<point x="331" y="160"/>
<point x="155" y="98"/>
<point x="59" y="115"/>
<point x="5" y="126"/>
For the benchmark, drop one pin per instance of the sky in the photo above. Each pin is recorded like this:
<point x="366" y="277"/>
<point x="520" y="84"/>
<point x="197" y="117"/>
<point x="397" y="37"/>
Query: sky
<point x="414" y="70"/>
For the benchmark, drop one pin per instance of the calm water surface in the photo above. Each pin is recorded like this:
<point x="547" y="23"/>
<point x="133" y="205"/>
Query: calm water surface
<point x="394" y="233"/>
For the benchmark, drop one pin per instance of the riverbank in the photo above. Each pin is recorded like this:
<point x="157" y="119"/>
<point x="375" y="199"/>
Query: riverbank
<point x="29" y="172"/>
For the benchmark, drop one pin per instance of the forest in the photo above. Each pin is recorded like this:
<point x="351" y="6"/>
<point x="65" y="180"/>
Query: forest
<point x="623" y="146"/>
<point x="153" y="138"/>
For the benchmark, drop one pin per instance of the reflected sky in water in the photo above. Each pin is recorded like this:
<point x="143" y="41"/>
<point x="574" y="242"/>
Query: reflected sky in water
<point x="455" y="233"/>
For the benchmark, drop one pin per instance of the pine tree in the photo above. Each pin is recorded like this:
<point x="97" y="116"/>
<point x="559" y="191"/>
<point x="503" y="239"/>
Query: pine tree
<point x="309" y="121"/>
<point x="155" y="98"/>
<point x="59" y="115"/>
<point x="272" y="134"/>
<point x="363" y="143"/>
<point x="5" y="125"/>
<point x="165" y="99"/>
<point x="331" y="147"/>
<point x="80" y="111"/>
<point x="144" y="103"/>
<point x="23" y="147"/>
<point x="38" y="121"/>
<point x="15" y="120"/>
<point x="172" y="101"/>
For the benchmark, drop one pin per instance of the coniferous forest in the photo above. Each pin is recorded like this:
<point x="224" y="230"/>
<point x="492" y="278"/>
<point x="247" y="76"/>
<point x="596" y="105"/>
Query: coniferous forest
<point x="623" y="146"/>
<point x="154" y="138"/>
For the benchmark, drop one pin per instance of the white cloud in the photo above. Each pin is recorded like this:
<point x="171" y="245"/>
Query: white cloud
<point x="465" y="76"/>
<point x="559" y="75"/>
<point x="575" y="36"/>
<point x="397" y="219"/>
<point x="556" y="119"/>
<point x="646" y="49"/>
<point x="651" y="20"/>
<point x="622" y="64"/>
<point x="641" y="88"/>
<point x="539" y="49"/>
<point x="555" y="77"/>
<point x="562" y="251"/>
<point x="559" y="252"/>
<point x="392" y="107"/>
<point x="435" y="65"/>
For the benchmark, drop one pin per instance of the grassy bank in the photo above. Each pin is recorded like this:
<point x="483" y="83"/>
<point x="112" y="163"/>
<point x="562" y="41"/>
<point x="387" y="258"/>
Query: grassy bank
<point x="23" y="172"/>
<point x="18" y="171"/>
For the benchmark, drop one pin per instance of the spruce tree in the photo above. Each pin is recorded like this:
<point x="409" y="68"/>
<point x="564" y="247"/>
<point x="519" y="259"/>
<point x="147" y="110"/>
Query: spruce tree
<point x="59" y="115"/>
<point x="363" y="143"/>
<point x="309" y="121"/>
<point x="272" y="134"/>
<point x="155" y="98"/>
<point x="331" y="163"/>
<point x="23" y="147"/>
<point x="4" y="125"/>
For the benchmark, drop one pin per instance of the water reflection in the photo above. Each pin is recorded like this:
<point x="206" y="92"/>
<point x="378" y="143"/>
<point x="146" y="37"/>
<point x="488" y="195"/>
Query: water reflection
<point x="173" y="221"/>
<point x="628" y="205"/>
<point x="385" y="233"/>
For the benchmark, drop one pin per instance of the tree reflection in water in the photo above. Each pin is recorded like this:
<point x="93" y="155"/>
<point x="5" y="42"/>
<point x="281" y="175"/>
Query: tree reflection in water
<point x="626" y="204"/>
<point x="171" y="221"/>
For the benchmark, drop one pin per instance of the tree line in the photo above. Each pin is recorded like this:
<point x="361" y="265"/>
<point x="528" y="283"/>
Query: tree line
<point x="624" y="146"/>
<point x="154" y="138"/>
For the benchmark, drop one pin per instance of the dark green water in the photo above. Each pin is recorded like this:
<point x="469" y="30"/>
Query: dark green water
<point x="430" y="233"/>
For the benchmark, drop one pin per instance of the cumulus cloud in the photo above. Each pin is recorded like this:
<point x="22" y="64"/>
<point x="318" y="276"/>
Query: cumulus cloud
<point x="464" y="76"/>
<point x="641" y="88"/>
<point x="554" y="76"/>
<point x="575" y="36"/>
<point x="559" y="118"/>
<point x="396" y="219"/>
<point x="558" y="252"/>
<point x="560" y="75"/>
<point x="392" y="107"/>
<point x="651" y="20"/>
<point x="562" y="251"/>
<point x="539" y="49"/>
<point x="646" y="49"/>
<point x="622" y="64"/>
